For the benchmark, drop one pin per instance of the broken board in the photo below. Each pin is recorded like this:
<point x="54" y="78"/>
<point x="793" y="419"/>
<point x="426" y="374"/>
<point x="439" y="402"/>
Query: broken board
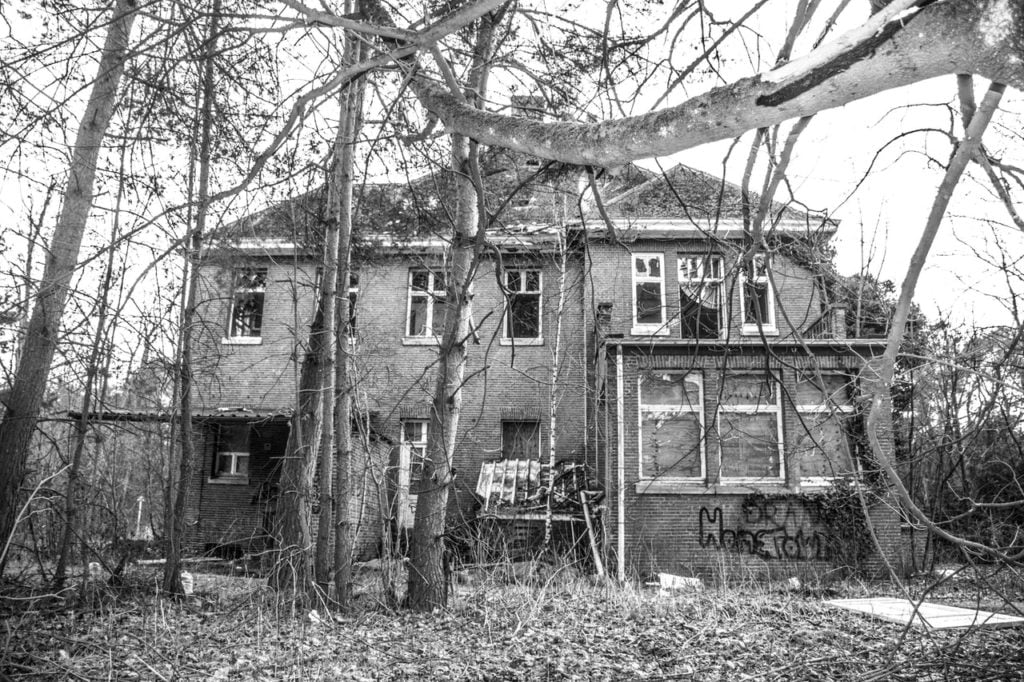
<point x="926" y="615"/>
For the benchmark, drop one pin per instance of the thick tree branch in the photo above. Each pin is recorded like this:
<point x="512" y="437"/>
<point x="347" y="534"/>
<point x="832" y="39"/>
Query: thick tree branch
<point x="893" y="48"/>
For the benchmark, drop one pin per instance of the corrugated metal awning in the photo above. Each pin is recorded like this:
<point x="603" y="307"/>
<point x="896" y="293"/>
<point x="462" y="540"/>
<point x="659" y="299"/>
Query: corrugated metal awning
<point x="215" y="414"/>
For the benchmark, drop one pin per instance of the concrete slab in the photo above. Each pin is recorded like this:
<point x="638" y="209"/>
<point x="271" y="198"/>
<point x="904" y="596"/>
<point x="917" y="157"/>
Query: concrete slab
<point x="927" y="616"/>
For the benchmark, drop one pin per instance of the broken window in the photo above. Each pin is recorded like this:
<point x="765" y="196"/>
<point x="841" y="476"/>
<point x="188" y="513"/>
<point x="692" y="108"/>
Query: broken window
<point x="353" y="297"/>
<point x="414" y="448"/>
<point x="427" y="295"/>
<point x="523" y="314"/>
<point x="822" y="443"/>
<point x="700" y="297"/>
<point x="757" y="302"/>
<point x="672" y="425"/>
<point x="750" y="427"/>
<point x="520" y="440"/>
<point x="648" y="293"/>
<point x="232" y="451"/>
<point x="248" y="291"/>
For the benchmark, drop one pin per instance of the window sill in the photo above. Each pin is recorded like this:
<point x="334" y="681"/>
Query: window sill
<point x="650" y="330"/>
<point x="752" y="330"/>
<point x="421" y="341"/>
<point x="694" y="487"/>
<point x="241" y="340"/>
<point x="228" y="480"/>
<point x="521" y="342"/>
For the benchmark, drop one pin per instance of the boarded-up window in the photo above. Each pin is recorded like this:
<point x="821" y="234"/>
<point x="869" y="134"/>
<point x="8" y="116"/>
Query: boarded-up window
<point x="750" y="427"/>
<point x="671" y="425"/>
<point x="520" y="439"/>
<point x="822" y="445"/>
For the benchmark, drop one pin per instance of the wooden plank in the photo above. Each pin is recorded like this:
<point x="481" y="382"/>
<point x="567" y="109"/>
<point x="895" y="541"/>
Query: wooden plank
<point x="928" y="615"/>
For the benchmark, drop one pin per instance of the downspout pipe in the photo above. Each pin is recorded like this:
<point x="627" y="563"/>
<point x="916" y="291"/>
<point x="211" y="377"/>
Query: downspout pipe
<point x="620" y="535"/>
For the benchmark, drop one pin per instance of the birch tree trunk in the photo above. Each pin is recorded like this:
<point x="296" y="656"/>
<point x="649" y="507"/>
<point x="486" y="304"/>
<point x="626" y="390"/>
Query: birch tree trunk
<point x="33" y="371"/>
<point x="428" y="580"/>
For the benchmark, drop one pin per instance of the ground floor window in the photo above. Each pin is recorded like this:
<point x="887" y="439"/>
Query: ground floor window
<point x="672" y="425"/>
<point x="414" y="448"/>
<point x="822" y="445"/>
<point x="750" y="427"/>
<point x="232" y="458"/>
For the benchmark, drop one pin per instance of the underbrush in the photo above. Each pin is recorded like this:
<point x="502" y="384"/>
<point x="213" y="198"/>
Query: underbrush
<point x="503" y="622"/>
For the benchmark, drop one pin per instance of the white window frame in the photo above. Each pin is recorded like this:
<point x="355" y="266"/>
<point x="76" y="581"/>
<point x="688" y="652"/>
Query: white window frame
<point x="760" y="264"/>
<point x="805" y="411"/>
<point x="649" y="328"/>
<point x="693" y="272"/>
<point x="432" y="295"/>
<point x="775" y="408"/>
<point x="645" y="408"/>
<point x="506" y="327"/>
<point x="406" y="452"/>
<point x="232" y="475"/>
<point x="231" y="337"/>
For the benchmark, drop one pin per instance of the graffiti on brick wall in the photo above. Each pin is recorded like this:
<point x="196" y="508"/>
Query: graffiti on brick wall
<point x="770" y="529"/>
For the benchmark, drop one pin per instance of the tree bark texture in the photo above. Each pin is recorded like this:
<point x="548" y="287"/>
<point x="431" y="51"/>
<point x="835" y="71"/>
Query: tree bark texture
<point x="890" y="50"/>
<point x="428" y="579"/>
<point x="28" y="390"/>
<point x="352" y="109"/>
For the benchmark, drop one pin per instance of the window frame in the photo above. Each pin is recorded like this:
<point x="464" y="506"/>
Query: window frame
<point x="760" y="263"/>
<point x="232" y="476"/>
<point x="831" y="408"/>
<point x="703" y="280"/>
<point x="774" y="408"/>
<point x="406" y="452"/>
<point x="506" y="327"/>
<point x="679" y="409"/>
<point x="232" y="335"/>
<point x="535" y="422"/>
<point x="648" y="328"/>
<point x="433" y="295"/>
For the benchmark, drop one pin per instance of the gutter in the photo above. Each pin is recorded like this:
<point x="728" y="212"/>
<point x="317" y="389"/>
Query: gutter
<point x="620" y="535"/>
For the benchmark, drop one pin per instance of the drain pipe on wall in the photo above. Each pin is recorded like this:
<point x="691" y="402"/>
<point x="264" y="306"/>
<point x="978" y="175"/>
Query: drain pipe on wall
<point x="620" y="535"/>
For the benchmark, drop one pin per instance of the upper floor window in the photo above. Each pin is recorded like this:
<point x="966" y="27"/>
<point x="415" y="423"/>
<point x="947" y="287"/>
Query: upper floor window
<point x="520" y="440"/>
<point x="232" y="460"/>
<point x="648" y="293"/>
<point x="757" y="300"/>
<point x="700" y="297"/>
<point x="822" y="445"/>
<point x="427" y="295"/>
<point x="750" y="427"/>
<point x="523" y="313"/>
<point x="247" y="298"/>
<point x="672" y="425"/>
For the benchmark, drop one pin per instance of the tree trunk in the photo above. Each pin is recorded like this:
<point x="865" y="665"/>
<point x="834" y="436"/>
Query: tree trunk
<point x="428" y="580"/>
<point x="352" y="109"/>
<point x="175" y="532"/>
<point x="26" y="398"/>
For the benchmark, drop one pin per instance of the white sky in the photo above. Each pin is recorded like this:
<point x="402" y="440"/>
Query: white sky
<point x="890" y="207"/>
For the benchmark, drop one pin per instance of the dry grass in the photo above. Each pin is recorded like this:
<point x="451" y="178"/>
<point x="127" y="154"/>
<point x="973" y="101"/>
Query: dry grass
<point x="560" y="626"/>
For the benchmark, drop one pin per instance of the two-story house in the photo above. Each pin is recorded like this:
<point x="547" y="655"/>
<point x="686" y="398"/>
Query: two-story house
<point x="708" y="384"/>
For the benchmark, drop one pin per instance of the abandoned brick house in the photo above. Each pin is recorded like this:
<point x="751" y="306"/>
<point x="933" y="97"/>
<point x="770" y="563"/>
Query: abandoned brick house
<point x="708" y="392"/>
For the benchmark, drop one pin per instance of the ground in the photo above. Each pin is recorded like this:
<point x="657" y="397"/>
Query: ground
<point x="560" y="627"/>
